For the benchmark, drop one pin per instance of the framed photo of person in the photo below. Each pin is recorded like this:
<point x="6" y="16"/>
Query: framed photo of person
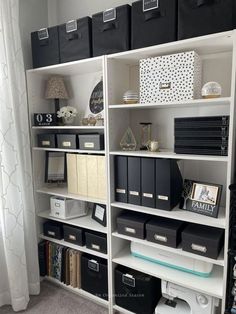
<point x="99" y="214"/>
<point x="201" y="197"/>
<point x="55" y="167"/>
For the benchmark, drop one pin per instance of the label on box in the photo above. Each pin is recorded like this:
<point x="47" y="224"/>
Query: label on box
<point x="96" y="247"/>
<point x="43" y="33"/>
<point x="130" y="230"/>
<point x="135" y="193"/>
<point x="165" y="85"/>
<point x="199" y="248"/>
<point x="121" y="191"/>
<point x="128" y="280"/>
<point x="93" y="265"/>
<point x="51" y="233"/>
<point x="66" y="144"/>
<point x="45" y="143"/>
<point x="71" y="26"/>
<point x="160" y="238"/>
<point x="89" y="145"/>
<point x="109" y="15"/>
<point x="150" y="5"/>
<point x="72" y="237"/>
<point x="163" y="197"/>
<point x="148" y="195"/>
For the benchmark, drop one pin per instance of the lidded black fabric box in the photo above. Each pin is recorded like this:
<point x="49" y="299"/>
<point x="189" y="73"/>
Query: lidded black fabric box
<point x="94" y="275"/>
<point x="46" y="140"/>
<point x="111" y="31"/>
<point x="202" y="17"/>
<point x="74" y="235"/>
<point x="91" y="141"/>
<point x="132" y="224"/>
<point x="96" y="241"/>
<point x="45" y="47"/>
<point x="203" y="240"/>
<point x="75" y="38"/>
<point x="135" y="291"/>
<point x="164" y="231"/>
<point x="53" y="229"/>
<point x="66" y="141"/>
<point x="153" y="24"/>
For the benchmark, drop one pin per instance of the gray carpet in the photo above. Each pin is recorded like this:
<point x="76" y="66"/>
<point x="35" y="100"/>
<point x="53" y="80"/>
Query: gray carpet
<point x="56" y="300"/>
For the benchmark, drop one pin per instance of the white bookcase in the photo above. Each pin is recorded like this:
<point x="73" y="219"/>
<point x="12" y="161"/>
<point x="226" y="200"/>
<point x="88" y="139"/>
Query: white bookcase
<point x="120" y="72"/>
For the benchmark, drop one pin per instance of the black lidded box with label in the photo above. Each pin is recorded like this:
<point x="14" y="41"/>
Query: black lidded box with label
<point x="132" y="224"/>
<point x="153" y="22"/>
<point x="91" y="141"/>
<point x="46" y="140"/>
<point x="121" y="179"/>
<point x="53" y="229"/>
<point x="45" y="47"/>
<point x="96" y="241"/>
<point x="75" y="39"/>
<point x="94" y="278"/>
<point x="111" y="31"/>
<point x="67" y="141"/>
<point x="203" y="240"/>
<point x="202" y="17"/>
<point x="135" y="291"/>
<point x="164" y="231"/>
<point x="74" y="235"/>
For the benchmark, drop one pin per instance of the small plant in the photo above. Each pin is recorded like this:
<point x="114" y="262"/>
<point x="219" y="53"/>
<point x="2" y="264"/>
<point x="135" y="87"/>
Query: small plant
<point x="67" y="112"/>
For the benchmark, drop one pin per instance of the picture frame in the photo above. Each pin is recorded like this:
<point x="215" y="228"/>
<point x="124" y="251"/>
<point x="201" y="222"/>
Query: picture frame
<point x="55" y="167"/>
<point x="201" y="197"/>
<point x="99" y="214"/>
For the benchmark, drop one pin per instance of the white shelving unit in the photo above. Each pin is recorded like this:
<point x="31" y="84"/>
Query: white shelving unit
<point x="120" y="72"/>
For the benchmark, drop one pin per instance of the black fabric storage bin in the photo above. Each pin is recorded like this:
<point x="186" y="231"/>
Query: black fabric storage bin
<point x="46" y="140"/>
<point x="164" y="231"/>
<point x="53" y="229"/>
<point x="96" y="241"/>
<point x="74" y="235"/>
<point x="202" y="17"/>
<point x="132" y="224"/>
<point x="91" y="141"/>
<point x="111" y="36"/>
<point x="94" y="275"/>
<point x="67" y="141"/>
<point x="153" y="27"/>
<point x="45" y="47"/>
<point x="75" y="40"/>
<point x="203" y="240"/>
<point x="136" y="291"/>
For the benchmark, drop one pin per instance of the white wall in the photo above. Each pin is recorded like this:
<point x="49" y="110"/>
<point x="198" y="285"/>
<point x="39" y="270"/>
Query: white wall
<point x="33" y="16"/>
<point x="72" y="9"/>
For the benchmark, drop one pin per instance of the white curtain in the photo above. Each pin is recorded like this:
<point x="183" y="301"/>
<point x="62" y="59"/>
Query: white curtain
<point x="19" y="275"/>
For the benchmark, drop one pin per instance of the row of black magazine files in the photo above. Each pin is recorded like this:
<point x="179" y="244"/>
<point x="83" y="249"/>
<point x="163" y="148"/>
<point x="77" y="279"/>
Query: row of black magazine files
<point x="144" y="24"/>
<point x="134" y="291"/>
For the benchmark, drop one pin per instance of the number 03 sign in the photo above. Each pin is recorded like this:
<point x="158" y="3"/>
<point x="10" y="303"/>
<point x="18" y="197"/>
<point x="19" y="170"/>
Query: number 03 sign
<point x="44" y="119"/>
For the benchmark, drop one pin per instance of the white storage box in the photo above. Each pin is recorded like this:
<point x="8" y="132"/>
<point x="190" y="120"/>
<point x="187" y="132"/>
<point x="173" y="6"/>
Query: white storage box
<point x="66" y="208"/>
<point x="170" y="78"/>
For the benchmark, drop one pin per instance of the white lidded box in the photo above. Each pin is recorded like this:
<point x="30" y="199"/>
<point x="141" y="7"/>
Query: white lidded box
<point x="66" y="208"/>
<point x="176" y="77"/>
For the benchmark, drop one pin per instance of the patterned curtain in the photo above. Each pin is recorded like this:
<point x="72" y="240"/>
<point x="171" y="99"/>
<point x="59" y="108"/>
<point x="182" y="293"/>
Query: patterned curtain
<point x="19" y="275"/>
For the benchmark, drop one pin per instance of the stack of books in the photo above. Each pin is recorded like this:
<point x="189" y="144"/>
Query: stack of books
<point x="202" y="135"/>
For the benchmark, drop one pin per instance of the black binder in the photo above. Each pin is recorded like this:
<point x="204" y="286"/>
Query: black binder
<point x="148" y="177"/>
<point x="134" y="180"/>
<point x="121" y="179"/>
<point x="42" y="258"/>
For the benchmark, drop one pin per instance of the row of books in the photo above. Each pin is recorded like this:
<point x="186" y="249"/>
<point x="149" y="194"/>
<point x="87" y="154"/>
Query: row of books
<point x="60" y="262"/>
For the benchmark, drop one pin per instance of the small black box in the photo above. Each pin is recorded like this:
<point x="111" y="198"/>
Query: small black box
<point x="202" y="17"/>
<point x="136" y="292"/>
<point x="91" y="141"/>
<point x="66" y="141"/>
<point x="132" y="224"/>
<point x="75" y="38"/>
<point x="121" y="179"/>
<point x="202" y="240"/>
<point x="164" y="231"/>
<point x="148" y="178"/>
<point x="94" y="276"/>
<point x="74" y="235"/>
<point x="153" y="25"/>
<point x="111" y="31"/>
<point x="134" y="180"/>
<point x="96" y="241"/>
<point x="45" y="47"/>
<point x="46" y="140"/>
<point x="53" y="229"/>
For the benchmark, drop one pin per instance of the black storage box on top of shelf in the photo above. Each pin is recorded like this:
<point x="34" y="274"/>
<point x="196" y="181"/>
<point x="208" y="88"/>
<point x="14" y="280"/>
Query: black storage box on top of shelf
<point x="202" y="17"/>
<point x="153" y="22"/>
<point x="45" y="47"/>
<point x="53" y="229"/>
<point x="111" y="30"/>
<point x="203" y="240"/>
<point x="66" y="141"/>
<point x="75" y="39"/>
<point x="46" y="140"/>
<point x="121" y="179"/>
<point x="91" y="141"/>
<point x="94" y="277"/>
<point x="135" y="291"/>
<point x="132" y="224"/>
<point x="96" y="241"/>
<point x="164" y="231"/>
<point x="74" y="235"/>
<point x="134" y="180"/>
